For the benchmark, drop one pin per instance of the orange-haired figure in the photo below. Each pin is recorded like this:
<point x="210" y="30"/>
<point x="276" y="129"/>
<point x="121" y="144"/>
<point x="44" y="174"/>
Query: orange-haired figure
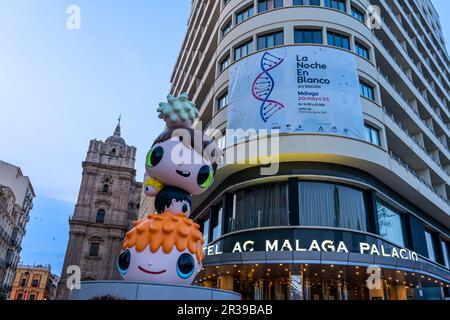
<point x="162" y="249"/>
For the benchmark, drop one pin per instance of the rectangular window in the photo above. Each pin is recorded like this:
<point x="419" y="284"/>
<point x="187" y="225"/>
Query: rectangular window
<point x="19" y="296"/>
<point x="93" y="252"/>
<point x="362" y="50"/>
<point x="264" y="5"/>
<point x="332" y="205"/>
<point x="336" y="4"/>
<point x="23" y="282"/>
<point x="446" y="261"/>
<point x="306" y="2"/>
<point x="205" y="230"/>
<point x="430" y="246"/>
<point x="358" y="14"/>
<point x="243" y="50"/>
<point x="338" y="40"/>
<point x="366" y="90"/>
<point x="217" y="222"/>
<point x="225" y="63"/>
<point x="35" y="283"/>
<point x="270" y="40"/>
<point x="390" y="223"/>
<point x="244" y="14"/>
<point x="222" y="101"/>
<point x="32" y="297"/>
<point x="260" y="206"/>
<point x="226" y="29"/>
<point x="308" y="36"/>
<point x="372" y="135"/>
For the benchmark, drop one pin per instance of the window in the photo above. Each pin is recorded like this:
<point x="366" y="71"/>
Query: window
<point x="105" y="188"/>
<point x="338" y="40"/>
<point x="23" y="282"/>
<point x="362" y="50"/>
<point x="260" y="206"/>
<point x="93" y="251"/>
<point x="358" y="14"/>
<point x="430" y="246"/>
<point x="225" y="63"/>
<point x="446" y="259"/>
<point x="32" y="297"/>
<point x="306" y="2"/>
<point x="264" y="5"/>
<point x="100" y="216"/>
<point x="270" y="40"/>
<point x="244" y="14"/>
<point x="216" y="224"/>
<point x="35" y="283"/>
<point x="308" y="36"/>
<point x="366" y="90"/>
<point x="390" y="223"/>
<point x="222" y="101"/>
<point x="243" y="50"/>
<point x="227" y="28"/>
<point x="204" y="227"/>
<point x="19" y="296"/>
<point x="336" y="4"/>
<point x="332" y="205"/>
<point x="372" y="135"/>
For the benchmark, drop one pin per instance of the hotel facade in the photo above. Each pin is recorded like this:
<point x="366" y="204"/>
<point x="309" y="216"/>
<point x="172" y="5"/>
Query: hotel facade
<point x="360" y="93"/>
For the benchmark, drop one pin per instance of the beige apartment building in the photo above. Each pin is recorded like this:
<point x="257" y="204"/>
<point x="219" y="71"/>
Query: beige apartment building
<point x="16" y="202"/>
<point x="373" y="178"/>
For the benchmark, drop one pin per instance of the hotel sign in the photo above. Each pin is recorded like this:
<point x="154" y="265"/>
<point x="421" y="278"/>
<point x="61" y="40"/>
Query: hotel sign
<point x="308" y="240"/>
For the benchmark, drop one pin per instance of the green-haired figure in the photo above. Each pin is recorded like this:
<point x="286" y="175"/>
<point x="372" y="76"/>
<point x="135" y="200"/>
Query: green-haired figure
<point x="178" y="112"/>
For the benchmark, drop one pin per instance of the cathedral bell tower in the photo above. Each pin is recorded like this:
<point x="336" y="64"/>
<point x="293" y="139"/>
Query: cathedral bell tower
<point x="108" y="202"/>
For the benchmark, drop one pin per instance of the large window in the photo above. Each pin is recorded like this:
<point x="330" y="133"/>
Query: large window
<point x="222" y="101"/>
<point x="243" y="50"/>
<point x="94" y="250"/>
<point x="100" y="216"/>
<point x="227" y="28"/>
<point x="308" y="36"/>
<point x="362" y="50"/>
<point x="332" y="205"/>
<point x="204" y="228"/>
<point x="270" y="40"/>
<point x="430" y="246"/>
<point x="390" y="223"/>
<point x="224" y="63"/>
<point x="444" y="246"/>
<point x="336" y="4"/>
<point x="338" y="40"/>
<point x="216" y="219"/>
<point x="260" y="206"/>
<point x="264" y="5"/>
<point x="358" y="14"/>
<point x="244" y="14"/>
<point x="372" y="135"/>
<point x="366" y="90"/>
<point x="306" y="2"/>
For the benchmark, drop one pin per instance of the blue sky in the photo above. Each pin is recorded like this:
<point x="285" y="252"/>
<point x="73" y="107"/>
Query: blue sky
<point x="61" y="88"/>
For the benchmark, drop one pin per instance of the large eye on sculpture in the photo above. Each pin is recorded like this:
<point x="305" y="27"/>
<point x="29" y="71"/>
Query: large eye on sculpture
<point x="185" y="266"/>
<point x="154" y="156"/>
<point x="205" y="177"/>
<point x="123" y="262"/>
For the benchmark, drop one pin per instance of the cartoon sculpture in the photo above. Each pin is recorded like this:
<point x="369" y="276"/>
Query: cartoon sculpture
<point x="167" y="247"/>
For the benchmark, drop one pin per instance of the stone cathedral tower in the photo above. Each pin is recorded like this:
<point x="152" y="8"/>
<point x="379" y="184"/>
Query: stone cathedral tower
<point x="108" y="202"/>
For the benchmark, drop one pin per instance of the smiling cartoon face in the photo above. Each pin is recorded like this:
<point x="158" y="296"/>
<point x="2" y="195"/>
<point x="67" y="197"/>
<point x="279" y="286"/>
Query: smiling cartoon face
<point x="173" y="268"/>
<point x="164" y="248"/>
<point x="175" y="164"/>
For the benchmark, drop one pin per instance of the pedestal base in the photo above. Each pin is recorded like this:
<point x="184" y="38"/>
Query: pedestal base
<point x="122" y="290"/>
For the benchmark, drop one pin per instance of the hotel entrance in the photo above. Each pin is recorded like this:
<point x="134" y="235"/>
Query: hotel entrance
<point x="318" y="282"/>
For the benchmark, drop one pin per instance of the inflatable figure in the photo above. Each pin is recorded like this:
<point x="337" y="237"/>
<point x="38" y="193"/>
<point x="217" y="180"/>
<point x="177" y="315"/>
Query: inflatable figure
<point x="167" y="247"/>
<point x="164" y="248"/>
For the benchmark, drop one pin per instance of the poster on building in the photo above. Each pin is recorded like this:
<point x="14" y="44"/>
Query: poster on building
<point x="297" y="89"/>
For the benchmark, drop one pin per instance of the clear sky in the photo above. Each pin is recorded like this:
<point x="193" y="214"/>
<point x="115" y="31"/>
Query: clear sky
<point x="61" y="88"/>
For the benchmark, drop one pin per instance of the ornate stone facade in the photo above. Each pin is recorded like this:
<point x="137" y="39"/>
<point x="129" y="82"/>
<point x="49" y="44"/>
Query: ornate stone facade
<point x="108" y="202"/>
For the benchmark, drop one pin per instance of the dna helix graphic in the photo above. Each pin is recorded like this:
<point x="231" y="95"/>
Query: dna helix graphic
<point x="264" y="84"/>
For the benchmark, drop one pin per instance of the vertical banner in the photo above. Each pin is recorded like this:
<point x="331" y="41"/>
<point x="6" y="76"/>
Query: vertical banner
<point x="297" y="89"/>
